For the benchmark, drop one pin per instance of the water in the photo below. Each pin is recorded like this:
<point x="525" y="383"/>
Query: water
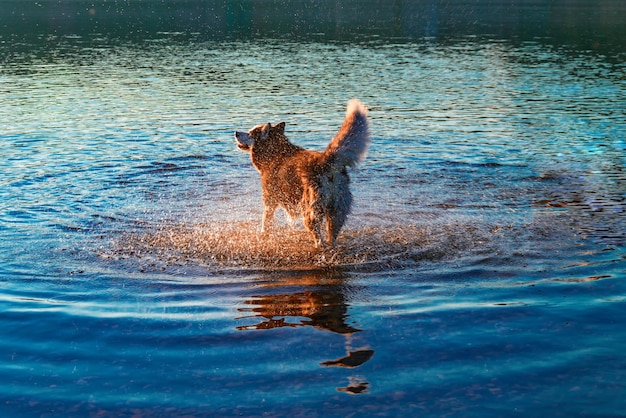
<point x="479" y="275"/>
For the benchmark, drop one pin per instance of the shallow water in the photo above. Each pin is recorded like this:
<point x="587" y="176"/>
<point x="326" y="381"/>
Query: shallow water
<point x="480" y="273"/>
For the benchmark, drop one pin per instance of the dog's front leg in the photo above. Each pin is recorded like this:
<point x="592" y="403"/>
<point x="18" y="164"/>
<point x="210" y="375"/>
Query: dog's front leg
<point x="268" y="218"/>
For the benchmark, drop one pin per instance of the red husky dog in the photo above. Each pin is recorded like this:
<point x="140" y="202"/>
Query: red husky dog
<point x="308" y="183"/>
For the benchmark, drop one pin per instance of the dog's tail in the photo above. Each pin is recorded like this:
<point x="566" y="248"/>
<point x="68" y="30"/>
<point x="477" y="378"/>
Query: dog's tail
<point x="349" y="146"/>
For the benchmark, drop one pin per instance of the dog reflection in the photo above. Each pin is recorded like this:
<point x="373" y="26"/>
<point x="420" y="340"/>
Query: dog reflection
<point x="320" y="302"/>
<point x="323" y="307"/>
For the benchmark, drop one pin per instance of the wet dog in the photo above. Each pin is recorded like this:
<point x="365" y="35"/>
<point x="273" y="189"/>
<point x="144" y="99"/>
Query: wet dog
<point x="311" y="184"/>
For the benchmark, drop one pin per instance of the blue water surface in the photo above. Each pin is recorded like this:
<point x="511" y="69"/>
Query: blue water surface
<point x="480" y="274"/>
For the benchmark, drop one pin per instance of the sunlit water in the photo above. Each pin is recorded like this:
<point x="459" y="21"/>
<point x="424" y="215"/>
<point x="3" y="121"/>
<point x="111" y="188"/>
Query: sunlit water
<point x="480" y="274"/>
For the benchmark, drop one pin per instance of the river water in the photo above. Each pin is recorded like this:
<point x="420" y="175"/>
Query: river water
<point x="480" y="274"/>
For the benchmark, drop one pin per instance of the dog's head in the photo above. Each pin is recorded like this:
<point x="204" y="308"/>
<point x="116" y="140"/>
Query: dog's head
<point x="261" y="136"/>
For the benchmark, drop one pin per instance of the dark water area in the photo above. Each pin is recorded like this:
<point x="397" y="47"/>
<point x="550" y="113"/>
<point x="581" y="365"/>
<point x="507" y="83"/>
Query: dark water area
<point x="585" y="23"/>
<point x="481" y="272"/>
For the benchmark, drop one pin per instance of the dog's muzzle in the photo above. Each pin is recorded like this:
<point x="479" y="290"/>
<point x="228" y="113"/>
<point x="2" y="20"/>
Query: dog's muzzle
<point x="244" y="141"/>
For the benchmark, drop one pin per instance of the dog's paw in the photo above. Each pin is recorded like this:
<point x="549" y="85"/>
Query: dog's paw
<point x="266" y="232"/>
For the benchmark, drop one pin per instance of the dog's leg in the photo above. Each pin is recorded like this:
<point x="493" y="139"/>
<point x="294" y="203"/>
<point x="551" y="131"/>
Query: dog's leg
<point x="313" y="219"/>
<point x="268" y="218"/>
<point x="313" y="222"/>
<point x="337" y="212"/>
<point x="313" y="213"/>
<point x="333" y="229"/>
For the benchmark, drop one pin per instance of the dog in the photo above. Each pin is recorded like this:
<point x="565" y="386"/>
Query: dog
<point x="311" y="184"/>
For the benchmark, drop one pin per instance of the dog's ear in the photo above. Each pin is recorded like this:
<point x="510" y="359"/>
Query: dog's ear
<point x="280" y="127"/>
<point x="265" y="132"/>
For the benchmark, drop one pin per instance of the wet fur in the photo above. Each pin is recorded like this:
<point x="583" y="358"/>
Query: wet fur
<point x="308" y="183"/>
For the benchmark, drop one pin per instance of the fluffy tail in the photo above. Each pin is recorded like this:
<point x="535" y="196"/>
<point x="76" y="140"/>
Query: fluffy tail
<point x="349" y="146"/>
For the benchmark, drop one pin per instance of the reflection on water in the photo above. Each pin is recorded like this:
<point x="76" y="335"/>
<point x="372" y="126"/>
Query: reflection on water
<point x="318" y="299"/>
<point x="323" y="303"/>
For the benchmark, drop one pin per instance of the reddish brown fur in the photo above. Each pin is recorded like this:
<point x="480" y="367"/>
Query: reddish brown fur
<point x="308" y="183"/>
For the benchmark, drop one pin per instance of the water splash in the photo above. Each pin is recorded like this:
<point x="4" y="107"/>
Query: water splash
<point x="239" y="245"/>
